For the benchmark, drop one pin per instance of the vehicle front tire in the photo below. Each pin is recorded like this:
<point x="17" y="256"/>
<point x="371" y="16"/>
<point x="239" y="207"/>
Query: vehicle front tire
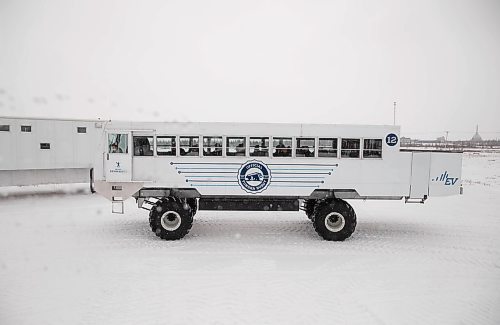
<point x="193" y="204"/>
<point x="170" y="220"/>
<point x="335" y="220"/>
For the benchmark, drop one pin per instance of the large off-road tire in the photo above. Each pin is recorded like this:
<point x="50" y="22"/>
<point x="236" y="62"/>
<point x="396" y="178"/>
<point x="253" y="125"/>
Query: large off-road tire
<point x="335" y="220"/>
<point x="170" y="219"/>
<point x="153" y="213"/>
<point x="193" y="204"/>
<point x="309" y="208"/>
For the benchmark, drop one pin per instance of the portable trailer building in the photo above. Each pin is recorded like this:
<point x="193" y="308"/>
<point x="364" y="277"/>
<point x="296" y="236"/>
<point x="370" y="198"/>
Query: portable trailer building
<point x="174" y="169"/>
<point x="48" y="151"/>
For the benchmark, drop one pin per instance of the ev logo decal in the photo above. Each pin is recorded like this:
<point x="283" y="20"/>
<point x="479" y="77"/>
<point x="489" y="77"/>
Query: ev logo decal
<point x="444" y="178"/>
<point x="254" y="176"/>
<point x="391" y="139"/>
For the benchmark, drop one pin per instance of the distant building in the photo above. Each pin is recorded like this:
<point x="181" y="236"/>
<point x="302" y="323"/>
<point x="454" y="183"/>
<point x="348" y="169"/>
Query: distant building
<point x="441" y="139"/>
<point x="405" y="141"/>
<point x="476" y="137"/>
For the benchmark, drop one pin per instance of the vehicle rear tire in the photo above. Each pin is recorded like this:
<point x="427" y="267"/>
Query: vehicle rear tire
<point x="309" y="208"/>
<point x="335" y="220"/>
<point x="170" y="220"/>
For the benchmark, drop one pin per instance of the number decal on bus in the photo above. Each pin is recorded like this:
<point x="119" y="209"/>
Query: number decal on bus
<point x="391" y="139"/>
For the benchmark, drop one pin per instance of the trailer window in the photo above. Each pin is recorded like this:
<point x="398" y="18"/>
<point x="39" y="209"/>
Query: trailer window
<point x="235" y="147"/>
<point x="305" y="147"/>
<point x="25" y="128"/>
<point x="118" y="143"/>
<point x="165" y="146"/>
<point x="372" y="148"/>
<point x="212" y="146"/>
<point x="5" y="128"/>
<point x="327" y="147"/>
<point x="81" y="129"/>
<point x="44" y="145"/>
<point x="350" y="148"/>
<point x="259" y="147"/>
<point x="189" y="146"/>
<point x="143" y="146"/>
<point x="282" y="147"/>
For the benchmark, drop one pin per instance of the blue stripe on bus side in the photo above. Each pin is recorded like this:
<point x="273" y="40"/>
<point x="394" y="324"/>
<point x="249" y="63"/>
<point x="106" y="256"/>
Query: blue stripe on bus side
<point x="237" y="185"/>
<point x="215" y="185"/>
<point x="277" y="169"/>
<point x="234" y="181"/>
<point x="311" y="186"/>
<point x="240" y="163"/>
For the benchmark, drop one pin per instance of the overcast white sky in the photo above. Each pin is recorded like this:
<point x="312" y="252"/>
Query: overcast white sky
<point x="277" y="61"/>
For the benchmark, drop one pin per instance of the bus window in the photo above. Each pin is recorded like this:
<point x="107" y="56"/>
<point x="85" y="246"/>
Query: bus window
<point x="282" y="147"/>
<point x="327" y="147"/>
<point x="235" y="147"/>
<point x="118" y="143"/>
<point x="305" y="147"/>
<point x="372" y="148"/>
<point x="350" y="148"/>
<point x="143" y="146"/>
<point x="165" y="146"/>
<point x="259" y="147"/>
<point x="212" y="146"/>
<point x="189" y="146"/>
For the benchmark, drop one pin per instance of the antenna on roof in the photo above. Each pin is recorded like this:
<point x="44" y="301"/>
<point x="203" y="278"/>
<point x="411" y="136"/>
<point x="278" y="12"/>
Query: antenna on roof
<point x="394" y="121"/>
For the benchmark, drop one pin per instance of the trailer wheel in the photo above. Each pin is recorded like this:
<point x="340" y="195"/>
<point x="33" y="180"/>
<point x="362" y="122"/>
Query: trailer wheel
<point x="335" y="220"/>
<point x="170" y="220"/>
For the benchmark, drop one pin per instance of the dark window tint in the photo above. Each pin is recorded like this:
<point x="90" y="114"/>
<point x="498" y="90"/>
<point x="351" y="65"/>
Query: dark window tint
<point x="25" y="128"/>
<point x="44" y="145"/>
<point x="350" y="148"/>
<point x="81" y="129"/>
<point x="372" y="148"/>
<point x="305" y="147"/>
<point x="259" y="147"/>
<point x="327" y="147"/>
<point x="282" y="147"/>
<point x="212" y="146"/>
<point x="5" y="128"/>
<point x="235" y="146"/>
<point x="165" y="146"/>
<point x="143" y="146"/>
<point x="189" y="146"/>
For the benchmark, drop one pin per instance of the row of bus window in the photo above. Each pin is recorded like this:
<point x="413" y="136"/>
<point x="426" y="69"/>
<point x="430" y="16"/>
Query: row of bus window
<point x="258" y="147"/>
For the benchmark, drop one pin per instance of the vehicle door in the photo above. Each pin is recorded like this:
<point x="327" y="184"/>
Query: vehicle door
<point x="118" y="158"/>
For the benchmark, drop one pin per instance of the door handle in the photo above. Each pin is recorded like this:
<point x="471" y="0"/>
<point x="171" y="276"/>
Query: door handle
<point x="107" y="156"/>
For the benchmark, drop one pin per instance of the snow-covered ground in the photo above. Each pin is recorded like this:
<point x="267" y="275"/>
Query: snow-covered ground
<point x="65" y="259"/>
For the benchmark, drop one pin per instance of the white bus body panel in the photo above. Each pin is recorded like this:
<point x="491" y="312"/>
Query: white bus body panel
<point x="445" y="174"/>
<point x="219" y="176"/>
<point x="420" y="169"/>
<point x="397" y="174"/>
<point x="435" y="174"/>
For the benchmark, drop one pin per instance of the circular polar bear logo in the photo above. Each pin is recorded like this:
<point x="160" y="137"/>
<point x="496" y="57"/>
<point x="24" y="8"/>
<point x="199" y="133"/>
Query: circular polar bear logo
<point x="254" y="176"/>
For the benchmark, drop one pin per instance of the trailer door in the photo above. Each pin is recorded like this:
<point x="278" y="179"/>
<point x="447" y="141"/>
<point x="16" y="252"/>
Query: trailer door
<point x="118" y="158"/>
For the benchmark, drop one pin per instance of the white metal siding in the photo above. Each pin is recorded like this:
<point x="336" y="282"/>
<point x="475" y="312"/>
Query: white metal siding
<point x="420" y="167"/>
